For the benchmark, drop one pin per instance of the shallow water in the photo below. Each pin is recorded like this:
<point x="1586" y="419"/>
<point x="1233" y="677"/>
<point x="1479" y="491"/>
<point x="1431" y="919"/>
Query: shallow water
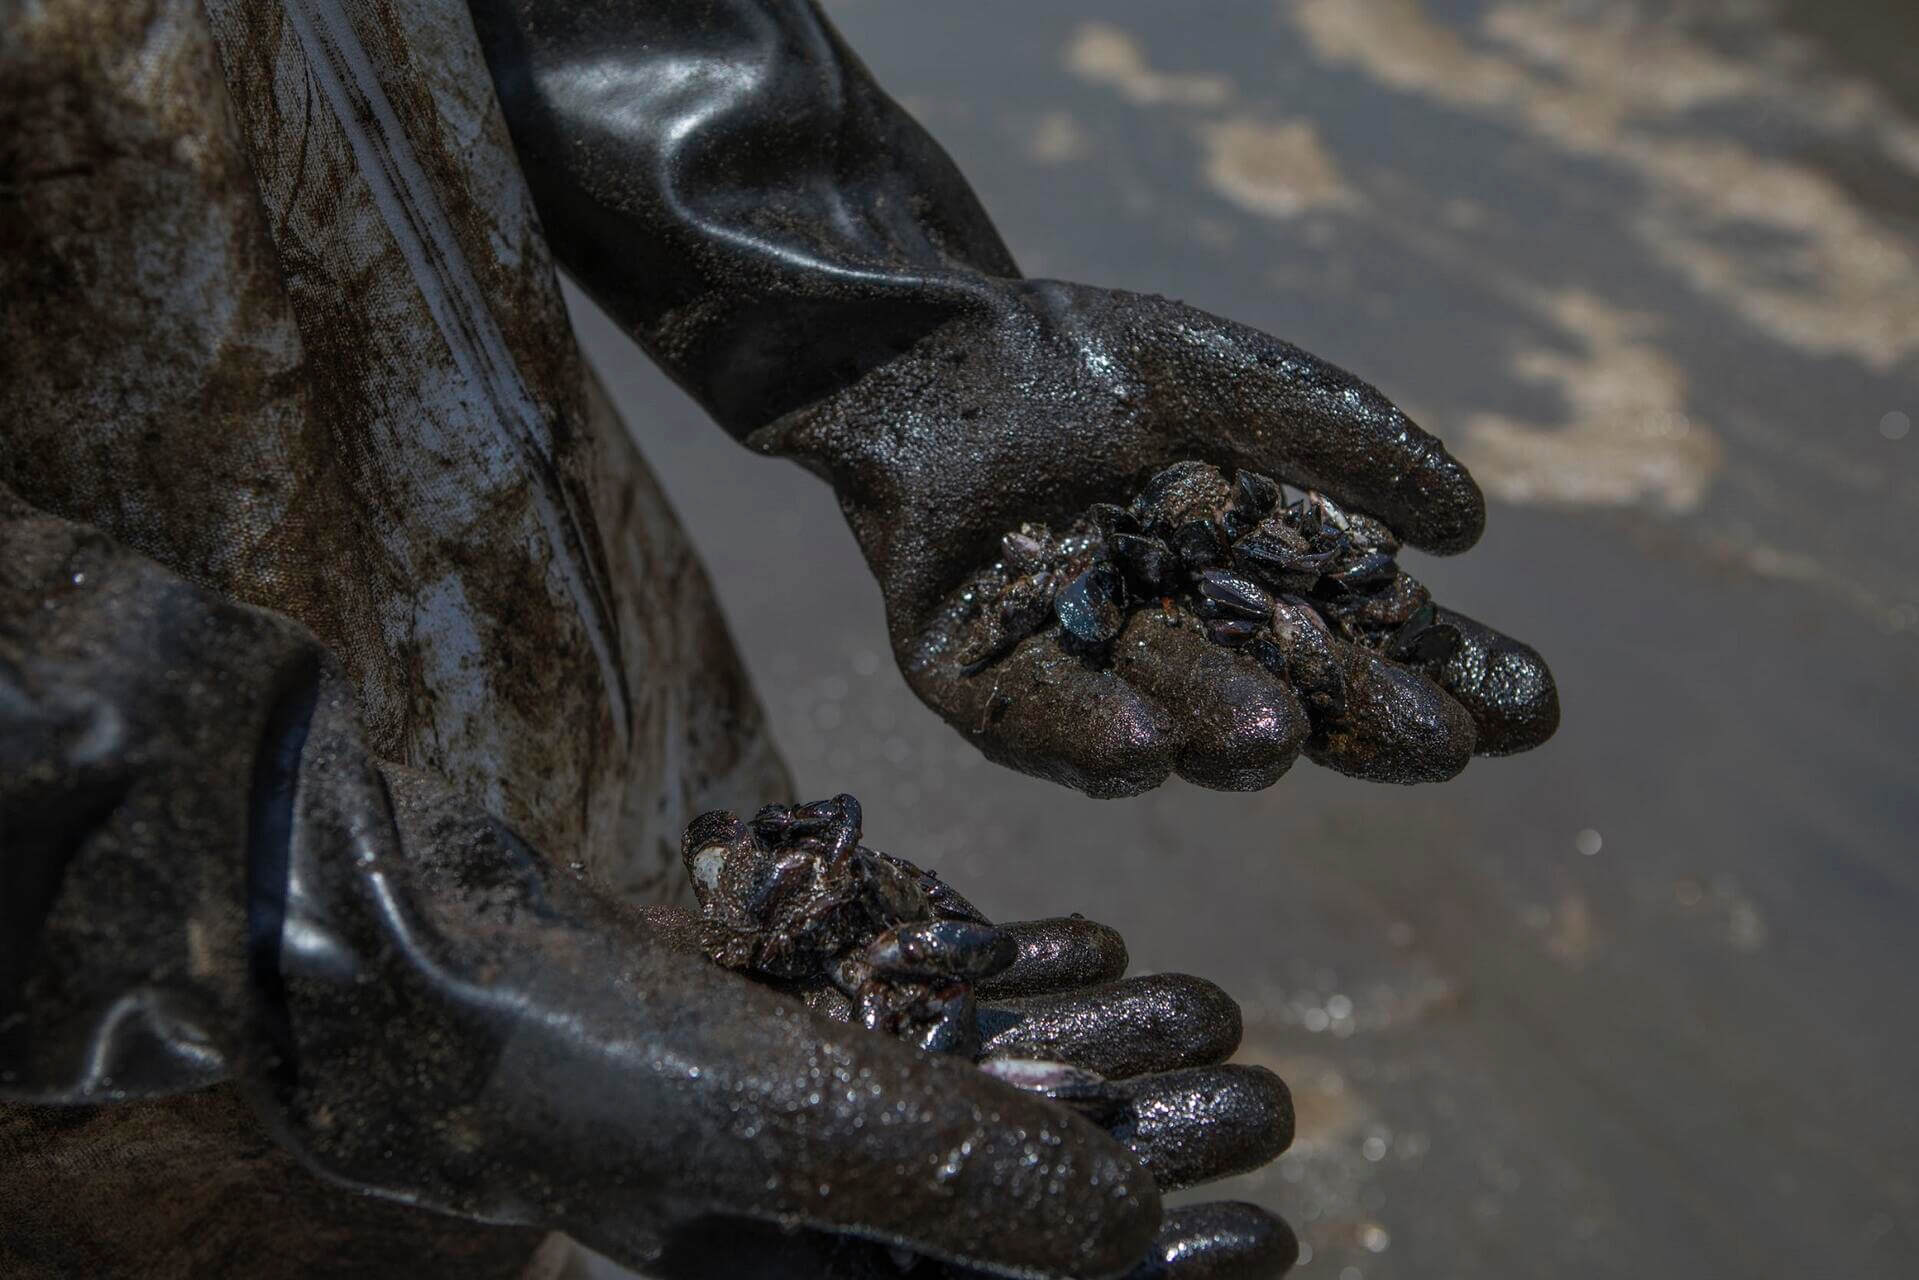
<point x="1637" y="1003"/>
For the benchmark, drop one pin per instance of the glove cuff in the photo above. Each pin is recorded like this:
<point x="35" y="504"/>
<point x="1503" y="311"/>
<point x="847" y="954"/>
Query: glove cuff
<point x="726" y="179"/>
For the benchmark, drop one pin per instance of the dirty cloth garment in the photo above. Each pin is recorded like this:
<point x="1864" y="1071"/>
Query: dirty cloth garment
<point x="279" y="315"/>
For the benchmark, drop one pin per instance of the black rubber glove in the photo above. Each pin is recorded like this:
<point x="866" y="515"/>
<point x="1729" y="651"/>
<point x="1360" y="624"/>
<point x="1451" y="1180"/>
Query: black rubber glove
<point x="725" y="178"/>
<point x="1060" y="396"/>
<point x="1159" y="1043"/>
<point x="794" y="899"/>
<point x="205" y="877"/>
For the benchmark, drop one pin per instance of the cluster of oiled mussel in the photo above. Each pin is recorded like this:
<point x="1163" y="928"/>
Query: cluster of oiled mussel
<point x="1276" y="579"/>
<point x="793" y="896"/>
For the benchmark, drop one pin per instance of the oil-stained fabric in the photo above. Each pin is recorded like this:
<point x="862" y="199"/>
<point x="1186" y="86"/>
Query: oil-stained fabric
<point x="281" y="317"/>
<point x="191" y="1188"/>
<point x="337" y="382"/>
<point x="139" y="732"/>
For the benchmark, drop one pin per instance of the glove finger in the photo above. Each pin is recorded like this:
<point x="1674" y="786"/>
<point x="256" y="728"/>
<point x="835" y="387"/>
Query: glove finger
<point x="1240" y="727"/>
<point x="1290" y="414"/>
<point x="1504" y="685"/>
<point x="1223" y="1240"/>
<point x="1391" y="724"/>
<point x="744" y="1249"/>
<point x="1046" y="712"/>
<point x="1203" y="1123"/>
<point x="1131" y="1027"/>
<point x="1060" y="954"/>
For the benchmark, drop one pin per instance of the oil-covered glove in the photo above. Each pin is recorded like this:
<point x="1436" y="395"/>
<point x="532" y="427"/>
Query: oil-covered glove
<point x="793" y="898"/>
<point x="1059" y="397"/>
<point x="725" y="178"/>
<point x="1142" y="1057"/>
<point x="207" y="878"/>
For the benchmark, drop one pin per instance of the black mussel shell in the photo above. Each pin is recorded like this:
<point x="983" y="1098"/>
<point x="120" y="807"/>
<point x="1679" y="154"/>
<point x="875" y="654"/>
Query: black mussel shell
<point x="943" y="897"/>
<point x="835" y="823"/>
<point x="1312" y="667"/>
<point x="956" y="1032"/>
<point x="1339" y="613"/>
<point x="771" y="823"/>
<point x="1022" y="551"/>
<point x="1235" y="524"/>
<point x="1433" y="646"/>
<point x="1318" y="562"/>
<point x="842" y="810"/>
<point x="1392" y="606"/>
<point x="1372" y="569"/>
<point x="1281" y="581"/>
<point x="1183" y="492"/>
<point x="1423" y="618"/>
<point x="1255" y="492"/>
<point x="1232" y="632"/>
<point x="1025" y="606"/>
<point x="1277" y="563"/>
<point x="1237" y="595"/>
<point x="943" y="949"/>
<point x="1268" y="654"/>
<point x="1163" y="481"/>
<point x="1085" y="1092"/>
<point x="937" y="1017"/>
<point x="1108" y="519"/>
<point x="1280" y="532"/>
<point x="1199" y="545"/>
<point x="719" y="827"/>
<point x="1422" y="641"/>
<point x="1254" y="498"/>
<point x="1088" y="607"/>
<point x="1368" y="532"/>
<point x="1148" y="563"/>
<point x="1327" y="511"/>
<point x="1304" y="516"/>
<point x="848" y="972"/>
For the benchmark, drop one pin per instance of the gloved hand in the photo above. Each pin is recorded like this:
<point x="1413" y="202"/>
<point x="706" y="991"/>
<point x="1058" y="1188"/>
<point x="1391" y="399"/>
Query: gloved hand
<point x="725" y="178"/>
<point x="795" y="900"/>
<point x="1060" y="1011"/>
<point x="213" y="880"/>
<point x="1058" y="396"/>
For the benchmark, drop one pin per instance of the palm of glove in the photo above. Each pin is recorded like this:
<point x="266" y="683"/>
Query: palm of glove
<point x="1059" y="397"/>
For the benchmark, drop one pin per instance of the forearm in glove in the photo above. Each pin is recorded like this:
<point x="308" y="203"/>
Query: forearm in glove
<point x="725" y="178"/>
